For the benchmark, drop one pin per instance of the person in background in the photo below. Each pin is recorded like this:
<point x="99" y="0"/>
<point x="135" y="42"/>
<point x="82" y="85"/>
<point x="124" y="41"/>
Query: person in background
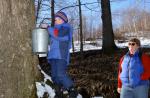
<point x="59" y="56"/>
<point x="134" y="72"/>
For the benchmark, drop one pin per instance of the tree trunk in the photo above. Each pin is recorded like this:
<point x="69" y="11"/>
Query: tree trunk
<point x="108" y="45"/>
<point x="18" y="69"/>
<point x="81" y="34"/>
<point x="52" y="12"/>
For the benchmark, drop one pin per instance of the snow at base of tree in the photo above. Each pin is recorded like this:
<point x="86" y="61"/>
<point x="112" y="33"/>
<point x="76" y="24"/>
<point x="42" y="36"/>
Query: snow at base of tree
<point x="43" y="88"/>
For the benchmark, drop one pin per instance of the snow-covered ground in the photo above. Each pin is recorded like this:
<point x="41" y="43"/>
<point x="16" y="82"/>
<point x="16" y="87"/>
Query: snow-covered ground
<point x="90" y="45"/>
<point x="42" y="87"/>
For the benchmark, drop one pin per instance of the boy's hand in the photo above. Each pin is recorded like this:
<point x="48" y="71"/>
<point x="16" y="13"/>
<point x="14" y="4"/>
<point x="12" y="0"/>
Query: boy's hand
<point x="56" y="32"/>
<point x="119" y="90"/>
<point x="44" y="25"/>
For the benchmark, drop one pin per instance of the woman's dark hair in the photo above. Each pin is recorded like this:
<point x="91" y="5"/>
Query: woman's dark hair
<point x="137" y="41"/>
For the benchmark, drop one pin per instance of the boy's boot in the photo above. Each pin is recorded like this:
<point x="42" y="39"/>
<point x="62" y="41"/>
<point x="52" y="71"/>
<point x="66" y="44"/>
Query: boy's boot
<point x="58" y="92"/>
<point x="73" y="93"/>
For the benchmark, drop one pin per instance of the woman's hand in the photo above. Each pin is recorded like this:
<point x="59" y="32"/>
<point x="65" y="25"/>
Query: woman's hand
<point x="119" y="90"/>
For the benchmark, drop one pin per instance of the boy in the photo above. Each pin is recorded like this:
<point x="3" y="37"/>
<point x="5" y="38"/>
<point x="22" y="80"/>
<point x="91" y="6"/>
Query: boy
<point x="58" y="55"/>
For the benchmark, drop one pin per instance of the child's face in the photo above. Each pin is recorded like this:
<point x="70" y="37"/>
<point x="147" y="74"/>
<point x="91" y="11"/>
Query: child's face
<point x="58" y="20"/>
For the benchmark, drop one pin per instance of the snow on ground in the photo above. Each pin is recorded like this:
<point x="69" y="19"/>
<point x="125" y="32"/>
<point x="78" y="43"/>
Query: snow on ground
<point x="42" y="87"/>
<point x="86" y="46"/>
<point x="94" y="45"/>
<point x="145" y="42"/>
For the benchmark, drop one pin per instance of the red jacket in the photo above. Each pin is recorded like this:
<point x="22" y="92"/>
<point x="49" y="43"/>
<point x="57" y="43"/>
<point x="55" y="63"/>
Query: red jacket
<point x="146" y="64"/>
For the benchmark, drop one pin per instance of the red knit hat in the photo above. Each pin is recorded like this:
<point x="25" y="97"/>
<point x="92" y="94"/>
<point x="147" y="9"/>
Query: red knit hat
<point x="62" y="15"/>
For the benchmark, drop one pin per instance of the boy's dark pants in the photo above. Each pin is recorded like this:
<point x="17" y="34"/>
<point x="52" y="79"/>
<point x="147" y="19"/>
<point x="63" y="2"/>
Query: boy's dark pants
<point x="59" y="73"/>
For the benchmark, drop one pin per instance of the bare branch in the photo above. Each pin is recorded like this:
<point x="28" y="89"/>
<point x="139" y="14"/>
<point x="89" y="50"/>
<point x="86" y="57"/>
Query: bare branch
<point x="91" y="9"/>
<point x="77" y="5"/>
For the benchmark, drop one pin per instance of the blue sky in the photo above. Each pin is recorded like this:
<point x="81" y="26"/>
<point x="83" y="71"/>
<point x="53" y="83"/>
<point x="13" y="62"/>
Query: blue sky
<point x="117" y="6"/>
<point x="123" y="4"/>
<point x="120" y="5"/>
<point x="127" y="4"/>
<point x="92" y="12"/>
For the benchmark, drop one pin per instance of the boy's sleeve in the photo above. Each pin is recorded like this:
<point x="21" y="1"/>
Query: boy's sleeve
<point x="50" y="31"/>
<point x="70" y="36"/>
<point x="64" y="31"/>
<point x="61" y="34"/>
<point x="119" y="71"/>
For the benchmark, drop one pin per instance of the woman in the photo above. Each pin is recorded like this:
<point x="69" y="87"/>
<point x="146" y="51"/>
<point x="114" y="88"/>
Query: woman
<point x="134" y="72"/>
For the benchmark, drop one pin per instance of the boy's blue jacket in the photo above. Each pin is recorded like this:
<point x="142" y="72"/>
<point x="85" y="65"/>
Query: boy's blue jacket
<point x="60" y="42"/>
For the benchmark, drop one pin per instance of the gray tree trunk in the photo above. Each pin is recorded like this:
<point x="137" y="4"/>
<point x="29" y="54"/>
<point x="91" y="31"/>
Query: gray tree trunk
<point x="108" y="45"/>
<point x="18" y="69"/>
<point x="81" y="33"/>
<point x="53" y="12"/>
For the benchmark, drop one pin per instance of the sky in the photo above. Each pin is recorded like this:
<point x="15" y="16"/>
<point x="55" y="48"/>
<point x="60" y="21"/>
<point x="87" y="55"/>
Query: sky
<point x="117" y="6"/>
<point x="123" y="4"/>
<point x="93" y="11"/>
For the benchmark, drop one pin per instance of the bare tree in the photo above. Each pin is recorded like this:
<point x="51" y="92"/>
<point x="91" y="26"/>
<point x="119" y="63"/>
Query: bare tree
<point x="84" y="25"/>
<point x="73" y="23"/>
<point x="135" y="20"/>
<point x="108" y="44"/>
<point x="52" y="12"/>
<point x="18" y="71"/>
<point x="81" y="35"/>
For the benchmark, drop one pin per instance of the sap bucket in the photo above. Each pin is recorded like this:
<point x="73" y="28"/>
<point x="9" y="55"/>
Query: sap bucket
<point x="39" y="41"/>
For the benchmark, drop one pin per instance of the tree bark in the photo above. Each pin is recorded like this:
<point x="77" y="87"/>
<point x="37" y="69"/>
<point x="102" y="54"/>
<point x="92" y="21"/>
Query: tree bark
<point x="18" y="71"/>
<point x="53" y="12"/>
<point x="81" y="33"/>
<point x="108" y="45"/>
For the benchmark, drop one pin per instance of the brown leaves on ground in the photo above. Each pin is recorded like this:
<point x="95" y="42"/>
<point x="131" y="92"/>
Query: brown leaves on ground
<point x="96" y="73"/>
